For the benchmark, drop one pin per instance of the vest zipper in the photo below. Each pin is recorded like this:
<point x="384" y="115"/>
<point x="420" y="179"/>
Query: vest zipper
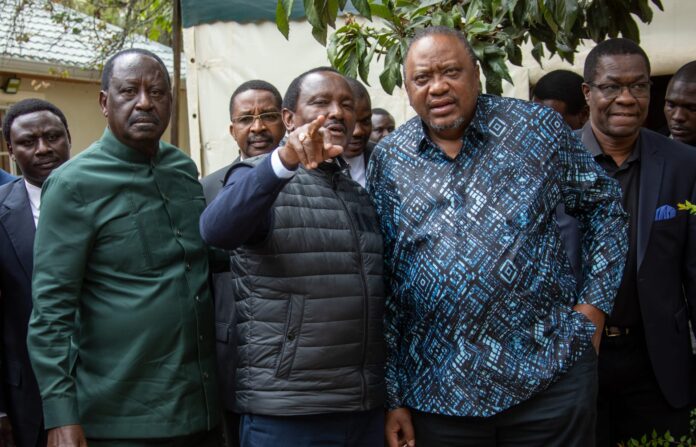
<point x="356" y="238"/>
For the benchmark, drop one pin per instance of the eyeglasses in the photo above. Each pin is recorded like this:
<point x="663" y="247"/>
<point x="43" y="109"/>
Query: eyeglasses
<point x="611" y="91"/>
<point x="248" y="120"/>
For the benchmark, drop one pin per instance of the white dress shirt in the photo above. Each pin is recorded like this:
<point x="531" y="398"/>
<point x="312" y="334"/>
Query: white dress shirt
<point x="357" y="168"/>
<point x="34" y="193"/>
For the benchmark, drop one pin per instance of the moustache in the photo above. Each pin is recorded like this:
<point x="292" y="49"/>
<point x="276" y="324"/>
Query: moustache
<point x="143" y="117"/>
<point x="328" y="124"/>
<point x="260" y="137"/>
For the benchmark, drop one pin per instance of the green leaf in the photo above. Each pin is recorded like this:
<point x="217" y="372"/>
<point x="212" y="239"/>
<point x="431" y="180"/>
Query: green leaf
<point x="494" y="85"/>
<point x="498" y="66"/>
<point x="390" y="77"/>
<point x="287" y="6"/>
<point x="567" y="13"/>
<point x="381" y="11"/>
<point x="515" y="55"/>
<point x="313" y="15"/>
<point x="350" y="69"/>
<point x="331" y="12"/>
<point x="282" y="19"/>
<point x="320" y="35"/>
<point x="631" y="30"/>
<point x="364" y="67"/>
<point x="363" y="7"/>
<point x="332" y="48"/>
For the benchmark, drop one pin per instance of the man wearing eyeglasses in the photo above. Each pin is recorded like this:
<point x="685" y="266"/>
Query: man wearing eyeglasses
<point x="255" y="124"/>
<point x="257" y="127"/>
<point x="646" y="369"/>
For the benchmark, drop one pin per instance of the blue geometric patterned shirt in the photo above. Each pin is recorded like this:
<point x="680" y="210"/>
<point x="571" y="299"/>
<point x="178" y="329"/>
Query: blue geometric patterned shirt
<point x="479" y="316"/>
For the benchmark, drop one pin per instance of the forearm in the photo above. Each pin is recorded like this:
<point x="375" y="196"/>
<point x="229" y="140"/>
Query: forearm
<point x="393" y="336"/>
<point x="604" y="248"/>
<point x="594" y="199"/>
<point x="242" y="208"/>
<point x="50" y="330"/>
<point x="61" y="253"/>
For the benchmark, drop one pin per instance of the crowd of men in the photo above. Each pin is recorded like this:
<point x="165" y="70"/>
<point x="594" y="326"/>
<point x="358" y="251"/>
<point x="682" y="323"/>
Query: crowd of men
<point x="492" y="272"/>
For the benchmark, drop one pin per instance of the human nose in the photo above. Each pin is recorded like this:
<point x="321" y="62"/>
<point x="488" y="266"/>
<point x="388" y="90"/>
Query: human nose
<point x="144" y="101"/>
<point x="335" y="110"/>
<point x="439" y="86"/>
<point x="42" y="146"/>
<point x="625" y="95"/>
<point x="678" y="114"/>
<point x="257" y="125"/>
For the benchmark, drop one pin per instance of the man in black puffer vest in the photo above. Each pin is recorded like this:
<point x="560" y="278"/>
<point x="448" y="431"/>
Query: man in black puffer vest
<point x="308" y="285"/>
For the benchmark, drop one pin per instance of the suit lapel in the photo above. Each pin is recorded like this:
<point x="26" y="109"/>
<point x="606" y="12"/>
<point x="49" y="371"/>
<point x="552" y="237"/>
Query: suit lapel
<point x="651" y="166"/>
<point x="16" y="218"/>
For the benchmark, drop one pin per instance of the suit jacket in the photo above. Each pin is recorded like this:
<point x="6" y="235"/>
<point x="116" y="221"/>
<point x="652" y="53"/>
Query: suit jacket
<point x="666" y="249"/>
<point x="6" y="177"/>
<point x="368" y="153"/>
<point x="19" y="395"/>
<point x="225" y="321"/>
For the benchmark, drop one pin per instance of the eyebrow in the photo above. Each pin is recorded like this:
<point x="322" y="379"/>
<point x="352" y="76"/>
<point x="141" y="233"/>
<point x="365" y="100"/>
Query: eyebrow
<point x="617" y="80"/>
<point x="274" y="109"/>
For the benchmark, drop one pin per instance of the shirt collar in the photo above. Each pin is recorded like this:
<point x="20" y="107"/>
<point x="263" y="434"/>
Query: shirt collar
<point x="595" y="149"/>
<point x="34" y="193"/>
<point x="477" y="126"/>
<point x="112" y="145"/>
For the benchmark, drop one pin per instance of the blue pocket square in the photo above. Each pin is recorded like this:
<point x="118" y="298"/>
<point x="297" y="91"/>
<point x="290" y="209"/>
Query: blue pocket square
<point x="665" y="212"/>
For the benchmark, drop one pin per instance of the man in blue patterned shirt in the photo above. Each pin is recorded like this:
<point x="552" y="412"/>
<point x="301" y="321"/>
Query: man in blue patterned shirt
<point x="489" y="343"/>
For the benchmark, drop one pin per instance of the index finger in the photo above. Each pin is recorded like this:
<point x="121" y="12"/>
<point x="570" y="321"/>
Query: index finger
<point x="314" y="125"/>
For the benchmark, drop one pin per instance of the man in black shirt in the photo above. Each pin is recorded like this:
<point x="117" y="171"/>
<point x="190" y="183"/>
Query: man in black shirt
<point x="646" y="369"/>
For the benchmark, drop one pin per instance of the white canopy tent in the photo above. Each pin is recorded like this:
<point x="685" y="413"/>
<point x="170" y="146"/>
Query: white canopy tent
<point x="223" y="54"/>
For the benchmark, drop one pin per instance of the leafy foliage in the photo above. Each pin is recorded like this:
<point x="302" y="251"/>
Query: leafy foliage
<point x="497" y="29"/>
<point x="687" y="206"/>
<point x="666" y="440"/>
<point x="149" y="18"/>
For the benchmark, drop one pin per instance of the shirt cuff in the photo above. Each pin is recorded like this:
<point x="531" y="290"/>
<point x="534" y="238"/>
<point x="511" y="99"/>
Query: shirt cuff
<point x="59" y="412"/>
<point x="279" y="168"/>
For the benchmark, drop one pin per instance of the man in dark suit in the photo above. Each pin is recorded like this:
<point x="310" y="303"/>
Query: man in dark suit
<point x="357" y="153"/>
<point x="38" y="139"/>
<point x="646" y="368"/>
<point x="6" y="177"/>
<point x="257" y="127"/>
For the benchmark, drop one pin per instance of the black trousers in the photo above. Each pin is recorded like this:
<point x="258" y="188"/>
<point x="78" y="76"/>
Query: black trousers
<point x="562" y="415"/>
<point x="230" y="428"/>
<point x="630" y="403"/>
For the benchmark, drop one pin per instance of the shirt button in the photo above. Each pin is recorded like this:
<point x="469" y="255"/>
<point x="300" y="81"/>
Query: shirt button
<point x="178" y="233"/>
<point x="205" y="376"/>
<point x="188" y="267"/>
<point x="198" y="299"/>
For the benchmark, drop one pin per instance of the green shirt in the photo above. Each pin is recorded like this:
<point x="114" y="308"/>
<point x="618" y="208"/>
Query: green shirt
<point x="121" y="335"/>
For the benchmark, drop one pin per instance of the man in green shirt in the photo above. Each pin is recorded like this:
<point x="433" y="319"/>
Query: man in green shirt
<point x="121" y="335"/>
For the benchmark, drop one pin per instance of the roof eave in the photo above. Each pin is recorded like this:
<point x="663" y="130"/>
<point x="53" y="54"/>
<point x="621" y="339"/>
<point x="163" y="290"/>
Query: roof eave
<point x="47" y="69"/>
